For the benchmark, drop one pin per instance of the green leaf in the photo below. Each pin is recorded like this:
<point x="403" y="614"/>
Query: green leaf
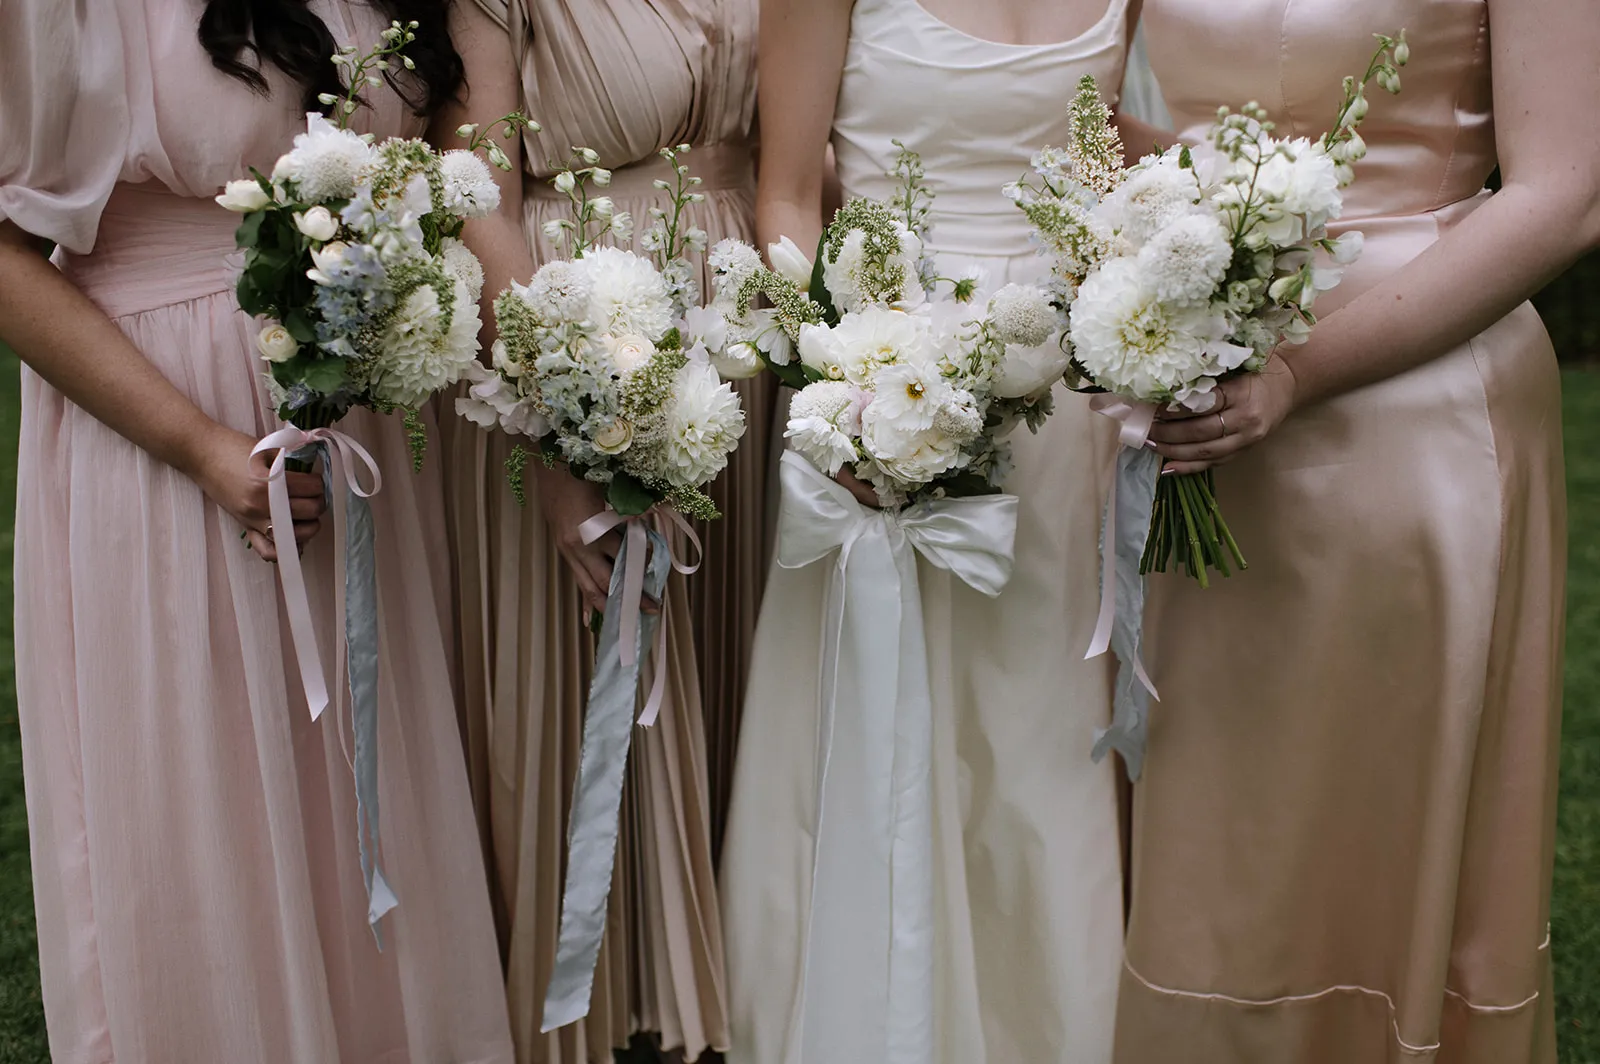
<point x="672" y="341"/>
<point x="300" y="327"/>
<point x="966" y="485"/>
<point x="1185" y="159"/>
<point x="818" y="291"/>
<point x="249" y="231"/>
<point x="791" y="376"/>
<point x="628" y="495"/>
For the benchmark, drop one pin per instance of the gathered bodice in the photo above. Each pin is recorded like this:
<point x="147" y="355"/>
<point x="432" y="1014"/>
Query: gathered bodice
<point x="1430" y="147"/>
<point x="975" y="110"/>
<point x="629" y="77"/>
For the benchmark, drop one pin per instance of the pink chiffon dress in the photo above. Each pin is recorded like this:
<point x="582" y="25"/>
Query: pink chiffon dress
<point x="193" y="832"/>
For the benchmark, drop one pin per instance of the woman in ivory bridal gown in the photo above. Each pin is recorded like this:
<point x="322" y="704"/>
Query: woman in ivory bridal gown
<point x="1343" y="836"/>
<point x="1027" y="932"/>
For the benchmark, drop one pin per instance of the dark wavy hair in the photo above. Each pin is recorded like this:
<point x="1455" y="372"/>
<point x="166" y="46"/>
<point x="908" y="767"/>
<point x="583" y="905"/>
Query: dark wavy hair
<point x="241" y="36"/>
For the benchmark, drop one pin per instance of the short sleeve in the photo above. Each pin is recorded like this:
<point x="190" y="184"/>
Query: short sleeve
<point x="64" y="118"/>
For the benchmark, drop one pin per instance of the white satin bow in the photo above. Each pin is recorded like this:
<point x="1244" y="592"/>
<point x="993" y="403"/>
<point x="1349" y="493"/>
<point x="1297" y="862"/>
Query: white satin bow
<point x="866" y="992"/>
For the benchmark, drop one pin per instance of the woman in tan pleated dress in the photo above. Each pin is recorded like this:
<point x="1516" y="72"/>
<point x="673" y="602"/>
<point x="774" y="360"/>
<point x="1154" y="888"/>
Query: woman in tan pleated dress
<point x="1343" y="836"/>
<point x="625" y="78"/>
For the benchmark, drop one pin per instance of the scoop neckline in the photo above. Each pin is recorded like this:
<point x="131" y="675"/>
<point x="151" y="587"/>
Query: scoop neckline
<point x="1111" y="10"/>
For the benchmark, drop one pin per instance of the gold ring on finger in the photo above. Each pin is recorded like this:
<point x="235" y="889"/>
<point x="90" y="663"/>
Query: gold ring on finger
<point x="1222" y="423"/>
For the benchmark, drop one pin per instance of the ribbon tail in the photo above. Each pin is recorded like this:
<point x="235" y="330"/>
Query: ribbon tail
<point x="1127" y="528"/>
<point x="597" y="792"/>
<point x="296" y="604"/>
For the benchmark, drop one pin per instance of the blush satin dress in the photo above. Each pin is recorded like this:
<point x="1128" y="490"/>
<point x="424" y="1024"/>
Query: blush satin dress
<point x="1343" y="838"/>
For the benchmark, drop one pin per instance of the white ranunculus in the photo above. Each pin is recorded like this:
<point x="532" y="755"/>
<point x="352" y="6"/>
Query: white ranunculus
<point x="628" y="353"/>
<point x="1027" y="371"/>
<point x="276" y="345"/>
<point x="704" y="425"/>
<point x="737" y="362"/>
<point x="616" y="437"/>
<point x="469" y="188"/>
<point x="318" y="223"/>
<point x="1186" y="261"/>
<point x="626" y="293"/>
<point x="244" y="196"/>
<point x="1022" y="314"/>
<point x="790" y="263"/>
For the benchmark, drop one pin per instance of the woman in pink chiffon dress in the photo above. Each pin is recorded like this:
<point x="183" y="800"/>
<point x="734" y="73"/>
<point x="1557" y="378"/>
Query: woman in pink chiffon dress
<point x="193" y="831"/>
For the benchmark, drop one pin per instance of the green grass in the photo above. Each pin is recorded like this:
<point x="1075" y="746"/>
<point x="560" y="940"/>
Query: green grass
<point x="1576" y="916"/>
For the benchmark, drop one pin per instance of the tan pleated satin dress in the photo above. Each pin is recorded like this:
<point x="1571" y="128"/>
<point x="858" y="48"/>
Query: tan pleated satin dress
<point x="1343" y="838"/>
<point x="625" y="78"/>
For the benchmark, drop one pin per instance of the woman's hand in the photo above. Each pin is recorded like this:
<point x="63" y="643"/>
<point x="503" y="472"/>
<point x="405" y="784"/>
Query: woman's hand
<point x="237" y="482"/>
<point x="1248" y="408"/>
<point x="567" y="502"/>
<point x="864" y="492"/>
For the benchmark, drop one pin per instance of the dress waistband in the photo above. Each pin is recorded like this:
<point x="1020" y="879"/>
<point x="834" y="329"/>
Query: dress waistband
<point x="155" y="248"/>
<point x="720" y="168"/>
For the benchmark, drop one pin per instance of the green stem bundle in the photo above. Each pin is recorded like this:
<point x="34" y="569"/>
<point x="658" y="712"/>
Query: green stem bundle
<point x="1186" y="528"/>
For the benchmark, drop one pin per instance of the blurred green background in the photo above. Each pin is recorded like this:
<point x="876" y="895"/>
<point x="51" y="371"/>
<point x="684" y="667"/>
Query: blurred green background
<point x="1570" y="311"/>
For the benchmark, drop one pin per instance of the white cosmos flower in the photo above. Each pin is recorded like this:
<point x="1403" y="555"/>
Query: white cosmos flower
<point x="614" y="437"/>
<point x="420" y="355"/>
<point x="469" y="188"/>
<point x="704" y="425"/>
<point x="244" y="196"/>
<point x="463" y="265"/>
<point x="790" y="263"/>
<point x="326" y="161"/>
<point x="824" y="418"/>
<point x="626" y="293"/>
<point x="1133" y="344"/>
<point x="1022" y="314"/>
<point x="910" y="394"/>
<point x="1187" y="260"/>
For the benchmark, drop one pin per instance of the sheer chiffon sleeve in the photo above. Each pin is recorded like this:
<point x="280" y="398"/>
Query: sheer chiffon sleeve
<point x="63" y="116"/>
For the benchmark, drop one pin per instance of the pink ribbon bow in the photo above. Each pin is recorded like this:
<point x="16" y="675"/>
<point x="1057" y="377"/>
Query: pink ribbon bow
<point x="344" y="454"/>
<point x="658" y="517"/>
<point x="1134" y="422"/>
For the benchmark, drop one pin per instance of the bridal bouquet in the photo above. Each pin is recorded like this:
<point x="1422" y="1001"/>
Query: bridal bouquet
<point x="913" y="388"/>
<point x="1193" y="266"/>
<point x="591" y="363"/>
<point x="354" y="258"/>
<point x="352" y="253"/>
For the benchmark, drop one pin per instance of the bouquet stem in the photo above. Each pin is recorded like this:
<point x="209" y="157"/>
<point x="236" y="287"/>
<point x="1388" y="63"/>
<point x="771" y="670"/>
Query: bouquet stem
<point x="1186" y="527"/>
<point x="318" y="415"/>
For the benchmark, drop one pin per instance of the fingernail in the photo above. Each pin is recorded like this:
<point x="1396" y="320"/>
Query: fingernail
<point x="1168" y="471"/>
<point x="1151" y="444"/>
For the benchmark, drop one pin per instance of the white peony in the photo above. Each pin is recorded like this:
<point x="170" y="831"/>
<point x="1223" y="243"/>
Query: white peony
<point x="704" y="425"/>
<point x="627" y="354"/>
<point x="911" y="457"/>
<point x="276" y="345"/>
<point x="469" y="188"/>
<point x="1022" y="314"/>
<point x="1186" y="261"/>
<point x="910" y="394"/>
<point x="824" y="418"/>
<point x="318" y="223"/>
<point x="419" y="355"/>
<point x="1027" y="371"/>
<point x="463" y="265"/>
<point x="326" y="162"/>
<point x="790" y="263"/>
<point x="244" y="196"/>
<point x="559" y="292"/>
<point x="1135" y="345"/>
<point x="626" y="293"/>
<point x="492" y="402"/>
<point x="1154" y="195"/>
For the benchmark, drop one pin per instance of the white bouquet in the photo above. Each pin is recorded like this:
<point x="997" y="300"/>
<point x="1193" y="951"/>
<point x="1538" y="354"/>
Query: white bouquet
<point x="911" y="380"/>
<point x="353" y="255"/>
<point x="1193" y="266"/>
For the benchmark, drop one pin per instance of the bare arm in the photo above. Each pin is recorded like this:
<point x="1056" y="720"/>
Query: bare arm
<point x="69" y="342"/>
<point x="1139" y="138"/>
<point x="801" y="56"/>
<point x="1545" y="217"/>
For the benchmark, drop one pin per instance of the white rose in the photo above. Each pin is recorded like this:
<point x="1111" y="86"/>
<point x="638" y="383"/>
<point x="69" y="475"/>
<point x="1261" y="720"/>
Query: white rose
<point x="615" y="437"/>
<point x="629" y="353"/>
<point x="317" y="223"/>
<point x="1026" y="371"/>
<point x="790" y="263"/>
<point x="326" y="259"/>
<point x="276" y="345"/>
<point x="244" y="196"/>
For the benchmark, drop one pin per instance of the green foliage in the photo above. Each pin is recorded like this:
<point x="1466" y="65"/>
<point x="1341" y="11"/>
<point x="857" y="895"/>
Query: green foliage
<point x="629" y="496"/>
<point x="516" y="469"/>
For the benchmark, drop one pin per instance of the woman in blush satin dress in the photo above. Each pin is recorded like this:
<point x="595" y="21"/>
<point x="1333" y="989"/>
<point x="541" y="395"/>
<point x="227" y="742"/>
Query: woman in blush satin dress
<point x="626" y="79"/>
<point x="193" y="832"/>
<point x="1027" y="928"/>
<point x="1343" y="836"/>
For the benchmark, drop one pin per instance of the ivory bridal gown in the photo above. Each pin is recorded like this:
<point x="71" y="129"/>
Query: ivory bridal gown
<point x="1343" y="836"/>
<point x="626" y="78"/>
<point x="195" y="867"/>
<point x="1027" y="926"/>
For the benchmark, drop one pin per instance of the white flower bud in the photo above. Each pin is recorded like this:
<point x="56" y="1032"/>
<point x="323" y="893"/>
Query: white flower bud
<point x="1402" y="53"/>
<point x="327" y="99"/>
<point x="276" y="345"/>
<point x="590" y="156"/>
<point x="565" y="182"/>
<point x="318" y="223"/>
<point x="498" y="157"/>
<point x="601" y="178"/>
<point x="554" y="229"/>
<point x="244" y="196"/>
<point x="466" y="131"/>
<point x="603" y="206"/>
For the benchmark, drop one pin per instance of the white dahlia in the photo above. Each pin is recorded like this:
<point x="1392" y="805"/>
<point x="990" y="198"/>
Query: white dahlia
<point x="626" y="293"/>
<point x="559" y="292"/>
<point x="462" y="265"/>
<point x="1154" y="195"/>
<point x="824" y="418"/>
<point x="703" y="426"/>
<point x="1186" y="261"/>
<point x="420" y="353"/>
<point x="469" y="188"/>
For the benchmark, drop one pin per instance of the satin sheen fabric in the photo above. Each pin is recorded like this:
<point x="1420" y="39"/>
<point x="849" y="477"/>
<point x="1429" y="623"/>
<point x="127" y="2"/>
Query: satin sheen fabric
<point x="1343" y="840"/>
<point x="1028" y="892"/>
<point x="195" y="859"/>
<point x="625" y="78"/>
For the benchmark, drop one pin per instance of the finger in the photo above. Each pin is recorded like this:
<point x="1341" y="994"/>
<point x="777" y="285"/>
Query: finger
<point x="263" y="546"/>
<point x="304" y="509"/>
<point x="303" y="484"/>
<point x="1219" y="402"/>
<point x="1193" y="430"/>
<point x="1209" y="452"/>
<point x="593" y="577"/>
<point x="609" y="546"/>
<point x="305" y="530"/>
<point x="1184" y="468"/>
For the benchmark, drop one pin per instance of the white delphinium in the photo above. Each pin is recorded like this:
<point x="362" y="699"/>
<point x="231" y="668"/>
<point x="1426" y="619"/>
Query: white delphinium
<point x="559" y="292"/>
<point x="422" y="353"/>
<point x="626" y="294"/>
<point x="469" y="187"/>
<point x="463" y="265"/>
<point x="1187" y="260"/>
<point x="1022" y="314"/>
<point x="325" y="163"/>
<point x="1134" y="344"/>
<point x="1154" y="194"/>
<point x="704" y="425"/>
<point x="824" y="419"/>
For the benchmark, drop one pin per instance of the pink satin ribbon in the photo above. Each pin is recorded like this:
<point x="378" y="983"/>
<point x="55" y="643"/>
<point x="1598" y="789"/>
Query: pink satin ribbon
<point x="344" y="454"/>
<point x="659" y="517"/>
<point x="1134" y="422"/>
